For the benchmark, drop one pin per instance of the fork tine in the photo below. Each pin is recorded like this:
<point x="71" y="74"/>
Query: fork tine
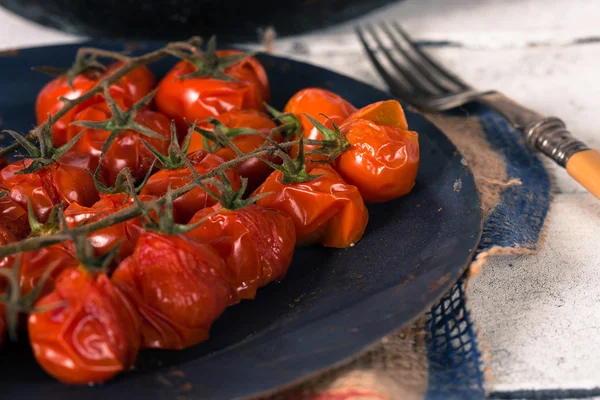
<point x="420" y="66"/>
<point x="428" y="60"/>
<point x="395" y="86"/>
<point x="411" y="78"/>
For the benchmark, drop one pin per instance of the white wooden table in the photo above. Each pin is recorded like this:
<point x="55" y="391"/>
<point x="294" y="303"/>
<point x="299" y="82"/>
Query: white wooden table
<point x="540" y="315"/>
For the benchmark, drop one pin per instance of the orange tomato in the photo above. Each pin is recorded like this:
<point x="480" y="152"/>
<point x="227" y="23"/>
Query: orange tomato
<point x="325" y="210"/>
<point x="91" y="332"/>
<point x="383" y="159"/>
<point x="315" y="101"/>
<point x="254" y="169"/>
<point x="203" y="97"/>
<point x="128" y="90"/>
<point x="186" y="206"/>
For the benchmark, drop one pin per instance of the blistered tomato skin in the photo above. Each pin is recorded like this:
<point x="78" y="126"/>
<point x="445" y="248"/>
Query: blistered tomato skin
<point x="200" y="98"/>
<point x="383" y="159"/>
<point x="34" y="264"/>
<point x="13" y="218"/>
<point x="254" y="169"/>
<point x="325" y="210"/>
<point x="127" y="91"/>
<point x="91" y="332"/>
<point x="179" y="287"/>
<point x="126" y="151"/>
<point x="186" y="206"/>
<point x="314" y="102"/>
<point x="57" y="183"/>
<point x="256" y="243"/>
<point x="124" y="234"/>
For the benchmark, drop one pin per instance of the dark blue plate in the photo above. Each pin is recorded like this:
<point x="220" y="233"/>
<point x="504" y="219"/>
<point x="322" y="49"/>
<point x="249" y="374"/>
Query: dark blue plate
<point x="331" y="305"/>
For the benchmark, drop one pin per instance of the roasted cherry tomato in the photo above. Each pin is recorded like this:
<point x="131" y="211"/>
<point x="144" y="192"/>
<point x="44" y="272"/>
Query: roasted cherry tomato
<point x="103" y="240"/>
<point x="33" y="265"/>
<point x="198" y="98"/>
<point x="127" y="150"/>
<point x="127" y="91"/>
<point x="256" y="243"/>
<point x="179" y="286"/>
<point x="383" y="159"/>
<point x="90" y="333"/>
<point x="254" y="169"/>
<point x="187" y="205"/>
<point x="325" y="210"/>
<point x="314" y="102"/>
<point x="13" y="217"/>
<point x="54" y="184"/>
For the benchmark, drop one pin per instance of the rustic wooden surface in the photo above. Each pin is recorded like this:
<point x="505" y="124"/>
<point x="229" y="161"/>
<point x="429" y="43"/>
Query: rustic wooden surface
<point x="540" y="315"/>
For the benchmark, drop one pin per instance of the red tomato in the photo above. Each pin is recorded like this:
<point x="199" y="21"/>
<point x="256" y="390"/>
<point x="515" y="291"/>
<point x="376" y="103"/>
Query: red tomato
<point x="314" y="101"/>
<point x="13" y="217"/>
<point x="104" y="240"/>
<point x="127" y="150"/>
<point x="383" y="159"/>
<point x="325" y="210"/>
<point x="179" y="286"/>
<point x="200" y="98"/>
<point x="91" y="334"/>
<point x="57" y="183"/>
<point x="256" y="243"/>
<point x="127" y="91"/>
<point x="187" y="205"/>
<point x="254" y="169"/>
<point x="35" y="263"/>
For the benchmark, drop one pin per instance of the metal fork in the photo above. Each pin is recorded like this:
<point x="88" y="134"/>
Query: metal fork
<point x="417" y="79"/>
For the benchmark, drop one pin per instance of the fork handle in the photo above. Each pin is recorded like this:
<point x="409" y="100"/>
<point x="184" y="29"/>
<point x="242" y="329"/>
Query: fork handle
<point x="550" y="136"/>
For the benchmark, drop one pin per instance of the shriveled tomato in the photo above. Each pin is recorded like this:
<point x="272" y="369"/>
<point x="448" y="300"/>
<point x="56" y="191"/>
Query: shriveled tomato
<point x="383" y="159"/>
<point x="256" y="243"/>
<point x="314" y="102"/>
<point x="34" y="264"/>
<point x="13" y="217"/>
<point x="187" y="205"/>
<point x="91" y="332"/>
<point x="197" y="98"/>
<point x="179" y="286"/>
<point x="325" y="210"/>
<point x="103" y="240"/>
<point x="54" y="184"/>
<point x="127" y="150"/>
<point x="128" y="90"/>
<point x="254" y="169"/>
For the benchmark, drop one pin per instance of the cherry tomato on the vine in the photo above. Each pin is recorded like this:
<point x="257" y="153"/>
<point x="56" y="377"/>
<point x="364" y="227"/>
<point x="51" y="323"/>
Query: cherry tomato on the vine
<point x="325" y="210"/>
<point x="256" y="243"/>
<point x="178" y="285"/>
<point x="89" y="331"/>
<point x="103" y="240"/>
<point x="186" y="206"/>
<point x="314" y="102"/>
<point x="126" y="151"/>
<point x="34" y="264"/>
<point x="13" y="217"/>
<point x="383" y="159"/>
<point x="197" y="98"/>
<point x="128" y="90"/>
<point x="254" y="169"/>
<point x="57" y="183"/>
